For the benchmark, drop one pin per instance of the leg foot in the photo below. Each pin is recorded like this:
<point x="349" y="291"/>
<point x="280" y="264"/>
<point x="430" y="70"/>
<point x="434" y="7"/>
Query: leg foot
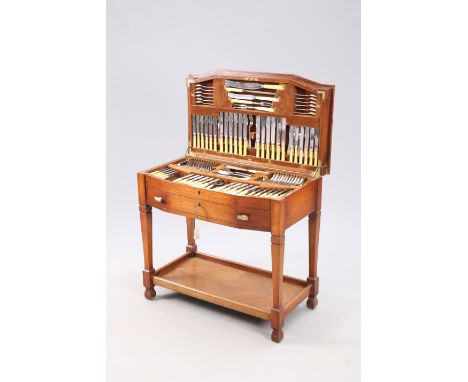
<point x="150" y="293"/>
<point x="277" y="335"/>
<point x="312" y="302"/>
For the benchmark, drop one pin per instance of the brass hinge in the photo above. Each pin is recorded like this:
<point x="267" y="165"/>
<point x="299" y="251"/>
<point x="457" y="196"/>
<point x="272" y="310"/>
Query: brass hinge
<point x="322" y="93"/>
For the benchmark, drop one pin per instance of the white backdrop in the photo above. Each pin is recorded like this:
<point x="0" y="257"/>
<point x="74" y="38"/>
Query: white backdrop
<point x="152" y="47"/>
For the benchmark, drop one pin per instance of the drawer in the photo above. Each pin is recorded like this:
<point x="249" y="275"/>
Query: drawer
<point x="242" y="202"/>
<point x="227" y="213"/>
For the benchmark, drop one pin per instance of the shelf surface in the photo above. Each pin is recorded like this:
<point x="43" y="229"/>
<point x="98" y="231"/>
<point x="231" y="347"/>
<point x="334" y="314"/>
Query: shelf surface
<point x="236" y="286"/>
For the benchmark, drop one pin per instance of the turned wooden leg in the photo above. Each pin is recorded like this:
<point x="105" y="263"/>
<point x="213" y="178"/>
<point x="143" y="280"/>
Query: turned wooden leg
<point x="277" y="312"/>
<point x="191" y="244"/>
<point x="314" y="229"/>
<point x="147" y="235"/>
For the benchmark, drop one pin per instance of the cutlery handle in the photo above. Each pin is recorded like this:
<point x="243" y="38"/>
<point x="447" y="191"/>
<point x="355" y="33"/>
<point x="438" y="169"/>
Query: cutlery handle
<point x="236" y="90"/>
<point x="245" y="146"/>
<point x="211" y="143"/>
<point x="271" y="99"/>
<point x="263" y="150"/>
<point x="235" y="146"/>
<point x="202" y="142"/>
<point x="272" y="151"/>
<point x="311" y="157"/>
<point x="305" y="156"/>
<point x="267" y="151"/>
<point x="295" y="155"/>
<point x="257" y="150"/>
<point x="230" y="145"/>
<point x="194" y="140"/>
<point x="278" y="152"/>
<point x="283" y="154"/>
<point x="301" y="154"/>
<point x="260" y="108"/>
<point x="316" y="158"/>
<point x="243" y="101"/>
<point x="221" y="144"/>
<point x="276" y="87"/>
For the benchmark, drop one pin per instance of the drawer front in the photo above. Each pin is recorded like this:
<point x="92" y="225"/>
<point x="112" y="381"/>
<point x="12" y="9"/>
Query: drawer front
<point x="231" y="214"/>
<point x="208" y="195"/>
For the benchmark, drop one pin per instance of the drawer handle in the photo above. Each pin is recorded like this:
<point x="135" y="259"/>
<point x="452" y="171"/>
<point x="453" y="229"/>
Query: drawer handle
<point x="159" y="199"/>
<point x="243" y="217"/>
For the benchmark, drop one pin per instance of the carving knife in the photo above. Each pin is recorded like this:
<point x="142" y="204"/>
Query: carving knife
<point x="283" y="139"/>
<point x="290" y="144"/>
<point x="316" y="151"/>
<point x="194" y="131"/>
<point x="210" y="132"/>
<point x="231" y="124"/>
<point x="220" y="131"/>
<point x="267" y="146"/>
<point x="306" y="144"/>
<point x="257" y="135"/>
<point x="296" y="142"/>
<point x="202" y="131"/>
<point x="250" y="97"/>
<point x="252" y="85"/>
<point x="245" y="135"/>
<point x="273" y="137"/>
<point x="236" y="128"/>
<point x="301" y="143"/>
<point x="262" y="136"/>
<point x="311" y="147"/>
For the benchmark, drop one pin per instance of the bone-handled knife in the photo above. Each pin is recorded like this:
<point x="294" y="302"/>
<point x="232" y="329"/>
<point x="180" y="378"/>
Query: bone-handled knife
<point x="306" y="143"/>
<point x="257" y="135"/>
<point x="283" y="139"/>
<point x="231" y="127"/>
<point x="215" y="132"/>
<point x="267" y="145"/>
<point x="273" y="137"/>
<point x="236" y="128"/>
<point x="301" y="143"/>
<point x="262" y="136"/>
<point x="202" y="131"/>
<point x="226" y="132"/>
<point x="311" y="147"/>
<point x="296" y="142"/>
<point x="316" y="149"/>
<point x="220" y="131"/>
<point x="210" y="132"/>
<point x="194" y="131"/>
<point x="240" y="128"/>
<point x="290" y="144"/>
<point x="259" y="108"/>
<point x="250" y="97"/>
<point x="252" y="85"/>
<point x="278" y="138"/>
<point x="245" y="133"/>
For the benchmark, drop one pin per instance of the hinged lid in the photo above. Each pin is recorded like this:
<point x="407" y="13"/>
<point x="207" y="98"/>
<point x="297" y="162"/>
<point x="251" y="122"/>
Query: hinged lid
<point x="291" y="100"/>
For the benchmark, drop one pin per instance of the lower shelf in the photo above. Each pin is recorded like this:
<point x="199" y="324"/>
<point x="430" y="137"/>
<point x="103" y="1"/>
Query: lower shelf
<point x="233" y="285"/>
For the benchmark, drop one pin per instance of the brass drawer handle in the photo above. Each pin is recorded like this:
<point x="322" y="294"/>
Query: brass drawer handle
<point x="159" y="199"/>
<point x="243" y="217"/>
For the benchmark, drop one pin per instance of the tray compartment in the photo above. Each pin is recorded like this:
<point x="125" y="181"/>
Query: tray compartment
<point x="233" y="285"/>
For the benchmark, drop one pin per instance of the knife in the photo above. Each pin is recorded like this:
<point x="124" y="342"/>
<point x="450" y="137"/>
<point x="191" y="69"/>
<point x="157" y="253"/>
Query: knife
<point x="239" y="134"/>
<point x="257" y="135"/>
<point x="290" y="144"/>
<point x="278" y="138"/>
<point x="296" y="142"/>
<point x="259" y="108"/>
<point x="267" y="146"/>
<point x="236" y="128"/>
<point x="283" y="139"/>
<point x="215" y="132"/>
<point x="226" y="132"/>
<point x="250" y="97"/>
<point x="262" y="137"/>
<point x="220" y="131"/>
<point x="202" y="132"/>
<point x="246" y="125"/>
<point x="231" y="123"/>
<point x="252" y="85"/>
<point x="210" y="132"/>
<point x="306" y="144"/>
<point x="273" y="137"/>
<point x="311" y="147"/>
<point x="194" y="131"/>
<point x="301" y="144"/>
<point x="316" y="151"/>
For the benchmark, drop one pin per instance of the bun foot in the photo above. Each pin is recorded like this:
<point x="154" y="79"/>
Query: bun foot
<point x="277" y="335"/>
<point x="150" y="293"/>
<point x="312" y="302"/>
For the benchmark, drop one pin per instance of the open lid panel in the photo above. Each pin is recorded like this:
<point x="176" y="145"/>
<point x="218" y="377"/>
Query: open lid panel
<point x="261" y="102"/>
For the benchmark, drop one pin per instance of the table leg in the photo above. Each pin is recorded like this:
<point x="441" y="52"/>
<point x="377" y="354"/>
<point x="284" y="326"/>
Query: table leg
<point x="191" y="244"/>
<point x="314" y="229"/>
<point x="277" y="312"/>
<point x="147" y="235"/>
